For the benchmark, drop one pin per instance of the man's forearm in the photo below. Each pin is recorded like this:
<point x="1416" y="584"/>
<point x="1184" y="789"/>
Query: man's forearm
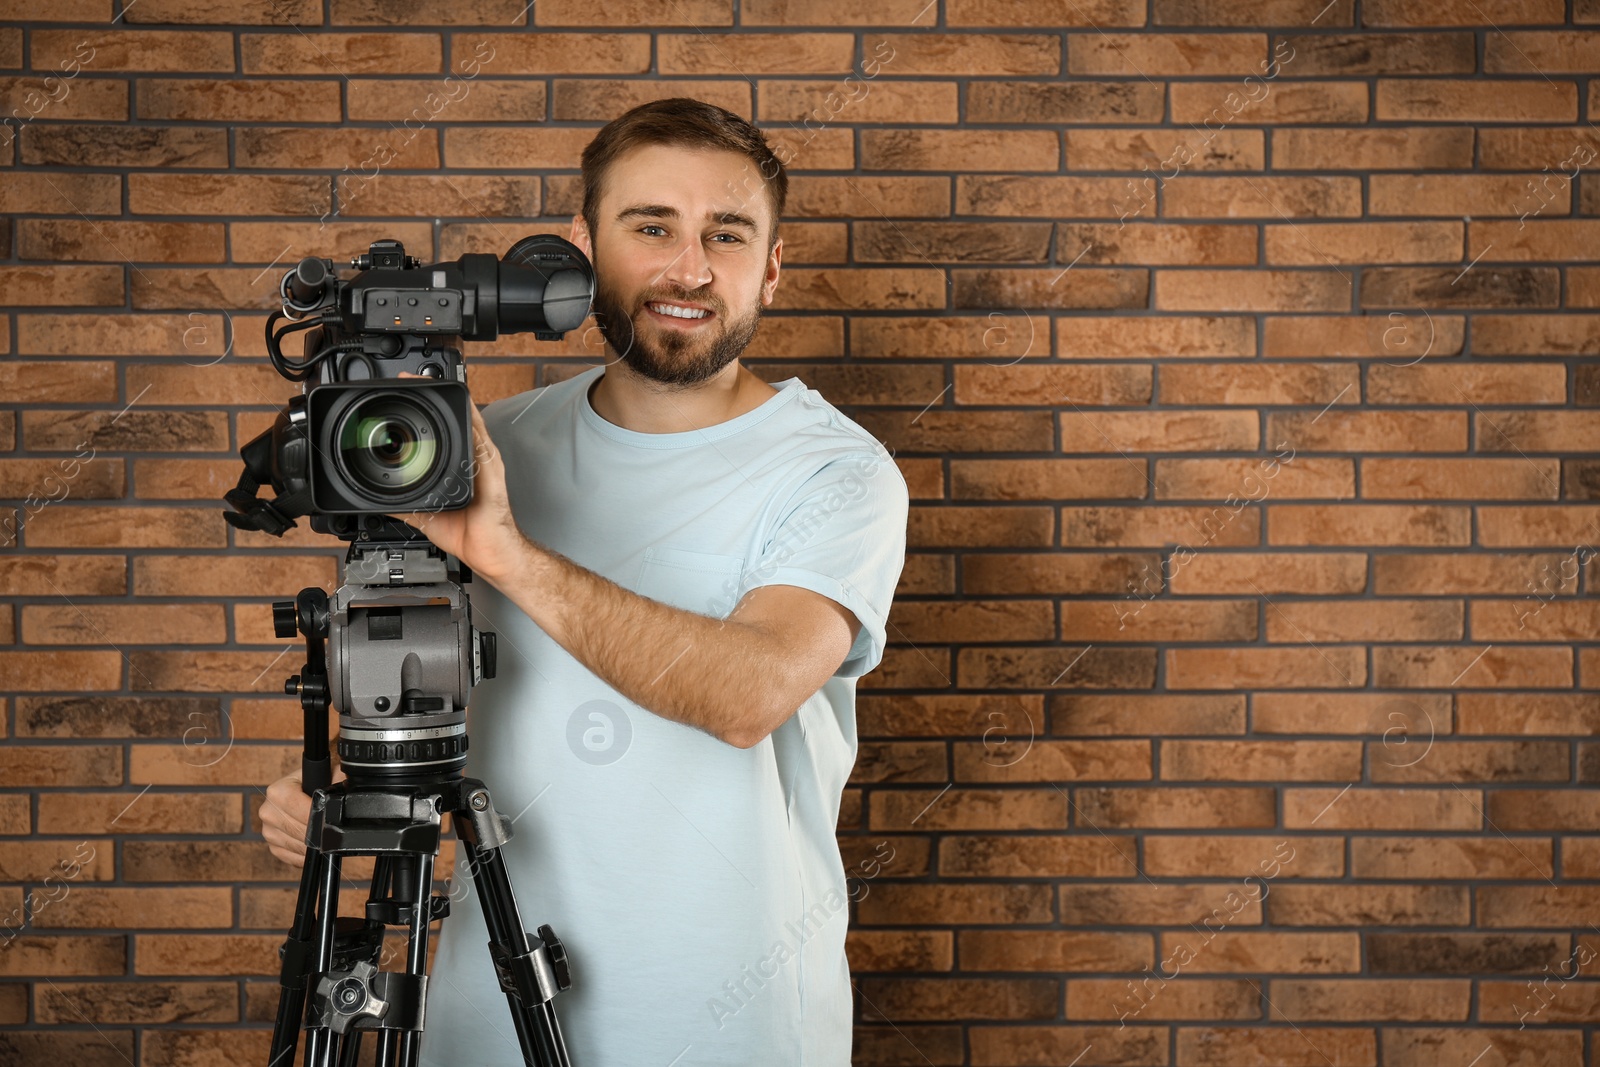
<point x="715" y="674"/>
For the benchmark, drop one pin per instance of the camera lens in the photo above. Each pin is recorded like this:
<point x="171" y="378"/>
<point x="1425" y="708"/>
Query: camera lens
<point x="389" y="444"/>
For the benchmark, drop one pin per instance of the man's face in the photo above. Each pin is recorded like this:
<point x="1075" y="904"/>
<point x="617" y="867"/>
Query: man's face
<point x="687" y="227"/>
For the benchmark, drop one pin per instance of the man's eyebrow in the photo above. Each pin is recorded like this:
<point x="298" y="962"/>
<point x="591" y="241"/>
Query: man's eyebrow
<point x="665" y="211"/>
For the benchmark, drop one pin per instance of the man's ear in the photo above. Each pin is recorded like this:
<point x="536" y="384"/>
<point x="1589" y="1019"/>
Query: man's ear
<point x="769" y="283"/>
<point x="580" y="236"/>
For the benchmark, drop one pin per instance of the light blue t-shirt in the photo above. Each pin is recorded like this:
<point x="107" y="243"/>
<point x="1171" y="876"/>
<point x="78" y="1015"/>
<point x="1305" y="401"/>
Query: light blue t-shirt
<point x="697" y="886"/>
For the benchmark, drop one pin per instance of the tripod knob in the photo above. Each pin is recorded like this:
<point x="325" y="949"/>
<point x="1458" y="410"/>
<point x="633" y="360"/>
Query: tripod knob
<point x="283" y="618"/>
<point x="558" y="956"/>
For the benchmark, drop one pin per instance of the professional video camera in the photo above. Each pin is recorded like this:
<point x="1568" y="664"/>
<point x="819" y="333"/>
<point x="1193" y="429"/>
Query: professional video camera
<point x="394" y="648"/>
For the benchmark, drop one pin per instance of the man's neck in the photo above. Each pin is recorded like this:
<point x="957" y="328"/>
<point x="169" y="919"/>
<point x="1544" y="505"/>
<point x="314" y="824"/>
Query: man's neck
<point x="626" y="398"/>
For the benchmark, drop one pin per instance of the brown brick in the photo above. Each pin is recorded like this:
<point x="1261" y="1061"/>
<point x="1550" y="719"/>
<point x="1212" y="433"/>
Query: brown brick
<point x="184" y="1048"/>
<point x="1270" y="13"/>
<point x="1543" y="526"/>
<point x="886" y="289"/>
<point x="1490" y="858"/>
<point x="1461" y="12"/>
<point x="1455" y="195"/>
<point x="1535" y="335"/>
<point x="87" y="98"/>
<point x="1157" y="55"/>
<point x="960" y="150"/>
<point x="58" y="383"/>
<point x="1037" y="856"/>
<point x="228" y="12"/>
<point x="75" y="239"/>
<point x="410" y="101"/>
<point x="95" y="478"/>
<point x="1207" y="103"/>
<point x="832" y="13"/>
<point x="233" y="575"/>
<point x="1367" y="1000"/>
<point x="1407" y="953"/>
<point x="1553" y="431"/>
<point x="1157" y="244"/>
<point x="1035" y="668"/>
<point x="968" y="809"/>
<point x="238" y="954"/>
<point x="872" y="197"/>
<point x="1445" y="573"/>
<point x="76" y="862"/>
<point x="599" y="100"/>
<point x="267" y="242"/>
<point x="230" y="194"/>
<point x="206" y="671"/>
<point x="1410" y="287"/>
<point x="1064" y="572"/>
<point x="946" y="715"/>
<point x="1011" y="195"/>
<point x="1046" y="13"/>
<point x="1097" y="384"/>
<point x="1256" y="290"/>
<point x="141" y="812"/>
<point x="988" y="620"/>
<point x="1166" y="336"/>
<point x="61" y="955"/>
<point x="1558" y="148"/>
<point x="930" y="242"/>
<point x="430" y="13"/>
<point x="899" y="950"/>
<point x="493" y="148"/>
<point x="1398" y="337"/>
<point x="40" y="671"/>
<point x="1543" y="809"/>
<point x="1187" y="998"/>
<point x="1532" y="239"/>
<point x="1483" y="761"/>
<point x="982" y="998"/>
<point x="1155" y="526"/>
<point x="1478" y="100"/>
<point x="1043" y="479"/>
<point x="156" y="430"/>
<point x="203" y="861"/>
<point x="985" y="905"/>
<point x="1147" y="714"/>
<point x="131" y="624"/>
<point x="1020" y="759"/>
<point x="1460" y="479"/>
<point x="1256" y="760"/>
<point x="795" y="101"/>
<point x="1251" y="668"/>
<point x="1364" y="242"/>
<point x="34" y="575"/>
<point x="1233" y="480"/>
<point x="109" y="334"/>
<point x="1234" y="856"/>
<point x="1417" y="1046"/>
<point x="1429" y="666"/>
<point x="308" y="148"/>
<point x="1019" y="287"/>
<point x="1380" y="53"/>
<point x="218" y="287"/>
<point x="473" y="196"/>
<point x="1382" y="809"/>
<point x="1356" y="620"/>
<point x="41" y="193"/>
<point x="957" y="53"/>
<point x="1534" y="905"/>
<point x="567" y="53"/>
<point x="27" y="765"/>
<point x="66" y="286"/>
<point x="1401" y="148"/>
<point x="1064" y="102"/>
<point x="1138" y="149"/>
<point x="341" y="54"/>
<point x="82" y="717"/>
<point x="144" y="1002"/>
<point x="1152" y="905"/>
<point x="1271" y="572"/>
<point x="1255" y="384"/>
<point x="124" y="146"/>
<point x="1174" y="807"/>
<point x="1263" y="198"/>
<point x="240" y="100"/>
<point x="142" y="50"/>
<point x="81" y="526"/>
<point x="1369" y="524"/>
<point x="1252" y="950"/>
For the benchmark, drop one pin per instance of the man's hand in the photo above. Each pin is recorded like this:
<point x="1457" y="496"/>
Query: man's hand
<point x="483" y="535"/>
<point x="284" y="817"/>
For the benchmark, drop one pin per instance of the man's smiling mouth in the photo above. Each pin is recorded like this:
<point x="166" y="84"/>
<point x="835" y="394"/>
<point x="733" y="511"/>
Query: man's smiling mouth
<point x="677" y="311"/>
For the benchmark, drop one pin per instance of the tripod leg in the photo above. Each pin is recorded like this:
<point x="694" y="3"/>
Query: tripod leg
<point x="297" y="963"/>
<point x="319" y="1039"/>
<point x="538" y="1032"/>
<point x="417" y="948"/>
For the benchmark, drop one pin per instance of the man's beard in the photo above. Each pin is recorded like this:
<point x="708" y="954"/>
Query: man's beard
<point x="667" y="355"/>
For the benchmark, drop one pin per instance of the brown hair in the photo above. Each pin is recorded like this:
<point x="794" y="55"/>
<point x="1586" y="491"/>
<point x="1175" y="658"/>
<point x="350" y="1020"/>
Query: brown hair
<point x="684" y="121"/>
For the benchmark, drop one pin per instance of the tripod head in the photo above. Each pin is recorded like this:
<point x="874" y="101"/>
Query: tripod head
<point x="394" y="649"/>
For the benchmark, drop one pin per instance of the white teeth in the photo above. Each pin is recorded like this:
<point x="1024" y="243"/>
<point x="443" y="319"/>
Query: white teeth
<point x="678" y="312"/>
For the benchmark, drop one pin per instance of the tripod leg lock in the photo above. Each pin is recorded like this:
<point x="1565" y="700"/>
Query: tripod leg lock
<point x="365" y="998"/>
<point x="534" y="976"/>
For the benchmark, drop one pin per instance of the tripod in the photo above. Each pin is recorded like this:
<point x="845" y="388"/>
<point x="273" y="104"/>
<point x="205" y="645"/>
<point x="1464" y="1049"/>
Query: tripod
<point x="401" y="779"/>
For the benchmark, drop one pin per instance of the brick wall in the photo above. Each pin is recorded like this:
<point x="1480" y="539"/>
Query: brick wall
<point x="1239" y="357"/>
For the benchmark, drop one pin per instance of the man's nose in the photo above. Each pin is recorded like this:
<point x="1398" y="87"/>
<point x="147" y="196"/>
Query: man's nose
<point x="690" y="268"/>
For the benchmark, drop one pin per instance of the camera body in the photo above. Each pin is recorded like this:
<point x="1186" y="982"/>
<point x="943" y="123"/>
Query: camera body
<point x="362" y="442"/>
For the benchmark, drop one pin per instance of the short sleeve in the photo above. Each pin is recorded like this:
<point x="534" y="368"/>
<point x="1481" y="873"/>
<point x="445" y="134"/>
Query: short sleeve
<point x="843" y="535"/>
